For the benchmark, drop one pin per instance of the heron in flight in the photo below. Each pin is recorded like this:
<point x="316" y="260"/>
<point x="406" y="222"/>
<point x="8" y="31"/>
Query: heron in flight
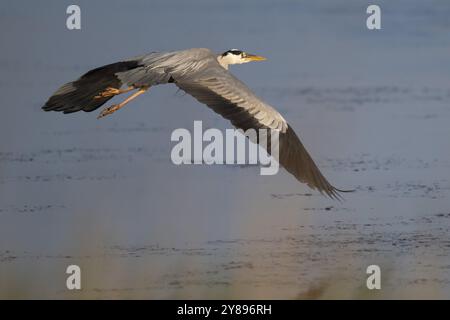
<point x="205" y="76"/>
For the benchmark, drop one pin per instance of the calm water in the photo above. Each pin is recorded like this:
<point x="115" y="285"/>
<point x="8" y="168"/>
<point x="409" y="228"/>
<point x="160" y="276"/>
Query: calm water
<point x="372" y="108"/>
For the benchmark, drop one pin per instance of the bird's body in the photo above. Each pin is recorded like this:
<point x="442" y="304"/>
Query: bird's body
<point x="204" y="75"/>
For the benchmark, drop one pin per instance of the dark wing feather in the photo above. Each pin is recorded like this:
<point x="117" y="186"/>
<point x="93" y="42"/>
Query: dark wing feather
<point x="232" y="99"/>
<point x="79" y="95"/>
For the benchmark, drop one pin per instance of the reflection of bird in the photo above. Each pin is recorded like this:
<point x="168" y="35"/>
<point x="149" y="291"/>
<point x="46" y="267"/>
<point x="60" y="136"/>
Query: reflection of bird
<point x="205" y="76"/>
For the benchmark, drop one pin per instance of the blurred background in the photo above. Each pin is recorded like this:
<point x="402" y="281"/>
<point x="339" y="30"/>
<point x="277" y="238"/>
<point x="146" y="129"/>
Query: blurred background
<point x="372" y="107"/>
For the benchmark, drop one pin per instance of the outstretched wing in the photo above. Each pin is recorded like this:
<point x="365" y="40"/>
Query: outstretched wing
<point x="229" y="97"/>
<point x="84" y="94"/>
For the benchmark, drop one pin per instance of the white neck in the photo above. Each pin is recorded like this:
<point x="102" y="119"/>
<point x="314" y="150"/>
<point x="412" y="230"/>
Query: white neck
<point x="225" y="61"/>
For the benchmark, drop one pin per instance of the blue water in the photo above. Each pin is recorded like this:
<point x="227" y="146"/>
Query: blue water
<point x="370" y="106"/>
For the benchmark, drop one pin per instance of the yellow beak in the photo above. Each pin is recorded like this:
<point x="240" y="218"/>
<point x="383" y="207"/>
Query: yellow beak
<point x="252" y="57"/>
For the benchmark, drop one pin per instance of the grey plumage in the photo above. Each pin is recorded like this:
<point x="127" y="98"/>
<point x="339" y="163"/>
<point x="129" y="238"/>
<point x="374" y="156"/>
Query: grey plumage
<point x="199" y="73"/>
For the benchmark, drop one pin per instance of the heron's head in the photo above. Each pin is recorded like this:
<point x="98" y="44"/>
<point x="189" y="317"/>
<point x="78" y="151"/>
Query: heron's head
<point x="235" y="56"/>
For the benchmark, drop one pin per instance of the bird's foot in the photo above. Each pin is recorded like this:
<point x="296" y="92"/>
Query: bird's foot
<point x="109" y="110"/>
<point x="108" y="92"/>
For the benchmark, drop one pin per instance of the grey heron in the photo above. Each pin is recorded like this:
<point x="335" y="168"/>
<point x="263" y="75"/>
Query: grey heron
<point x="205" y="76"/>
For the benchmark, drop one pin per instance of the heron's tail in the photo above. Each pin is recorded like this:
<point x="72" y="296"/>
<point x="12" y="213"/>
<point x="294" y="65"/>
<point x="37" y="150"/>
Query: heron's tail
<point x="83" y="94"/>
